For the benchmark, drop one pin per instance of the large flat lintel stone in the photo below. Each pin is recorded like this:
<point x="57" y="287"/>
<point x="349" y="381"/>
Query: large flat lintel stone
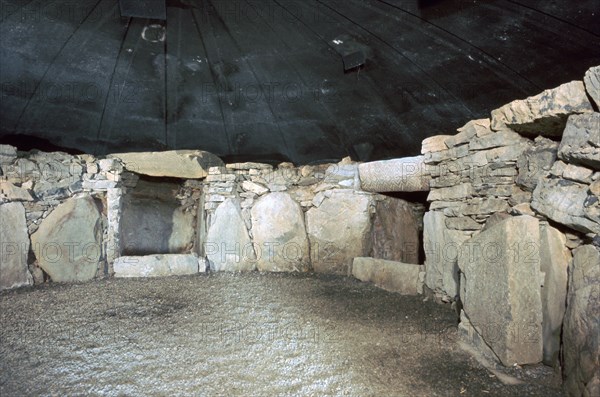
<point x="188" y="164"/>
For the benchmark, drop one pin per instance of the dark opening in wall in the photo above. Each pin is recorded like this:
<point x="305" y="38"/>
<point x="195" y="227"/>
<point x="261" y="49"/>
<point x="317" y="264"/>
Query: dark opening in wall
<point x="154" y="221"/>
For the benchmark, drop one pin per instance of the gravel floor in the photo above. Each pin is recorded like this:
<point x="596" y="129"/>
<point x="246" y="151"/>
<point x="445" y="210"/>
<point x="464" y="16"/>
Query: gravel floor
<point x="239" y="335"/>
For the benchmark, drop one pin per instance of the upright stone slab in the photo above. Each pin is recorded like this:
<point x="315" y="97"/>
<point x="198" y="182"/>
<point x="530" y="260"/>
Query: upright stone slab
<point x="14" y="247"/>
<point x="339" y="230"/>
<point x="582" y="324"/>
<point x="228" y="246"/>
<point x="442" y="248"/>
<point x="545" y="113"/>
<point x="279" y="234"/>
<point x="554" y="263"/>
<point x="68" y="243"/>
<point x="408" y="174"/>
<point x="397" y="226"/>
<point x="501" y="293"/>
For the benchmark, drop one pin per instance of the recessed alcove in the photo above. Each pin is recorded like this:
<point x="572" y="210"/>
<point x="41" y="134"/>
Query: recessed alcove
<point x="154" y="221"/>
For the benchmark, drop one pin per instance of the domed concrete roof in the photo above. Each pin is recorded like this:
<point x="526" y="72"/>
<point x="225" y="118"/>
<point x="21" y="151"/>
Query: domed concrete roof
<point x="279" y="80"/>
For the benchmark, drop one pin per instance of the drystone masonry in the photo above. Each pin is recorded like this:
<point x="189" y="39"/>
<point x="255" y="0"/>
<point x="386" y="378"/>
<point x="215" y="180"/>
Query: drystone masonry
<point x="301" y="218"/>
<point x="63" y="198"/>
<point x="75" y="218"/>
<point x="512" y="230"/>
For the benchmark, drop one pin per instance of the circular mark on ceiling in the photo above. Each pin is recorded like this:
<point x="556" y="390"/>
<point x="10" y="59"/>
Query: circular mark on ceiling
<point x="154" y="33"/>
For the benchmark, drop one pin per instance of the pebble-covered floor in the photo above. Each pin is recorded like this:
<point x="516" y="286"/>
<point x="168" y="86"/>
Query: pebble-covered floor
<point x="239" y="335"/>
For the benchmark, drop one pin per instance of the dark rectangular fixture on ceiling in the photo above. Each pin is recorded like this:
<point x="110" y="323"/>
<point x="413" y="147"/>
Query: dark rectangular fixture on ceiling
<point x="353" y="53"/>
<point x="152" y="9"/>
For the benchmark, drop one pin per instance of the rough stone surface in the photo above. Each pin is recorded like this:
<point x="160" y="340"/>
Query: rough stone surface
<point x="545" y="113"/>
<point x="554" y="263"/>
<point x="158" y="265"/>
<point x="564" y="202"/>
<point x="501" y="295"/>
<point x="536" y="162"/>
<point x="457" y="192"/>
<point x="442" y="249"/>
<point x="10" y="192"/>
<point x="474" y="128"/>
<point x="339" y="230"/>
<point x="228" y="246"/>
<point x="391" y="276"/>
<point x="396" y="231"/>
<point x="582" y="324"/>
<point x="67" y="244"/>
<point x="279" y="234"/>
<point x="408" y="174"/>
<point x="191" y="164"/>
<point x="578" y="174"/>
<point x="454" y="153"/>
<point x="254" y="188"/>
<point x="592" y="84"/>
<point x="581" y="140"/>
<point x="14" y="247"/>
<point x="249" y="166"/>
<point x="434" y="144"/>
<point x="7" y="154"/>
<point x="337" y="173"/>
<point x="496" y="139"/>
<point x="462" y="223"/>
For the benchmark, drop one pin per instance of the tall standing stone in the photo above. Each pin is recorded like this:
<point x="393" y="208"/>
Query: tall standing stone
<point x="501" y="295"/>
<point x="228" y="246"/>
<point x="279" y="234"/>
<point x="581" y="327"/>
<point x="14" y="247"/>
<point x="396" y="231"/>
<point x="339" y="230"/>
<point x="67" y="244"/>
<point x="554" y="262"/>
<point x="442" y="248"/>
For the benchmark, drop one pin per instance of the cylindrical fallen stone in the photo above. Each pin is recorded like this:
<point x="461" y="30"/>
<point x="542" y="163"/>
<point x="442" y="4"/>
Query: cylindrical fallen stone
<point x="407" y="174"/>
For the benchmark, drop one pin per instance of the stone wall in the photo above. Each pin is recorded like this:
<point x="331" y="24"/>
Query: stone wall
<point x="65" y="233"/>
<point x="80" y="217"/>
<point x="513" y="199"/>
<point x="302" y="218"/>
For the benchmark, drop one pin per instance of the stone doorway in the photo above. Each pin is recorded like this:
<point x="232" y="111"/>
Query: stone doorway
<point x="155" y="220"/>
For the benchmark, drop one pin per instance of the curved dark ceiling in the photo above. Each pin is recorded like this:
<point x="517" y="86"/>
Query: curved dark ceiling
<point x="263" y="80"/>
